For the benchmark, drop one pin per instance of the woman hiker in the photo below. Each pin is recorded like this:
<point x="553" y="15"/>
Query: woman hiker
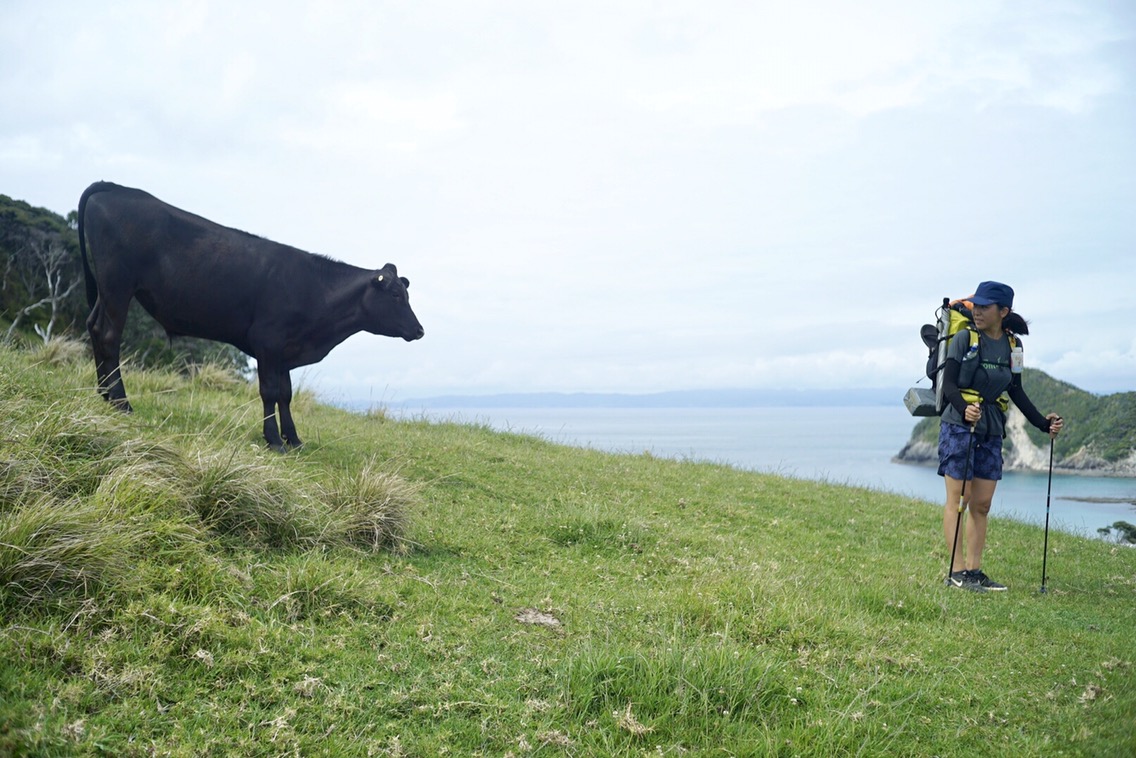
<point x="974" y="423"/>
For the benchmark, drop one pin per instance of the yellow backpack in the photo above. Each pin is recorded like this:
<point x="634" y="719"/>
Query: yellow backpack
<point x="951" y="318"/>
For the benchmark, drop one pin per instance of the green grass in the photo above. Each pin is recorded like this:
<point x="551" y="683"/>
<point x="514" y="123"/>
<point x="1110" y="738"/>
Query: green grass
<point x="406" y="588"/>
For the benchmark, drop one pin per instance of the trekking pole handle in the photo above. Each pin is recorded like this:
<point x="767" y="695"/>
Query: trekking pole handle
<point x="978" y="410"/>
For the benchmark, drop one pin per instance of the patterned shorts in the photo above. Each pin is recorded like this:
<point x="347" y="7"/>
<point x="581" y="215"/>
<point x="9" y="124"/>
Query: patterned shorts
<point x="954" y="446"/>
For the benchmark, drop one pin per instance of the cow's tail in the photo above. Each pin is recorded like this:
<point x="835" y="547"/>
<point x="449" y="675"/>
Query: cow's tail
<point x="88" y="275"/>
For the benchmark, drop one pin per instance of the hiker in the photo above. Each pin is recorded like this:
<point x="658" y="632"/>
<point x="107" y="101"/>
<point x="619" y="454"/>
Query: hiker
<point x="978" y="376"/>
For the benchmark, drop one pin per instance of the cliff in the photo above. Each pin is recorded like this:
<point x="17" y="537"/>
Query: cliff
<point x="1099" y="437"/>
<point x="1021" y="454"/>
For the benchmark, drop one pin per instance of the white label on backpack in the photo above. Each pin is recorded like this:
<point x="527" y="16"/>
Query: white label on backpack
<point x="1017" y="360"/>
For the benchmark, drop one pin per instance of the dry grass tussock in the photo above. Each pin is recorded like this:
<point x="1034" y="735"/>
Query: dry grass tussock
<point x="20" y="478"/>
<point x="254" y="498"/>
<point x="53" y="551"/>
<point x="215" y="377"/>
<point x="155" y="501"/>
<point x="370" y="509"/>
<point x="62" y="351"/>
<point x="377" y="413"/>
<point x="86" y="498"/>
<point x="249" y="497"/>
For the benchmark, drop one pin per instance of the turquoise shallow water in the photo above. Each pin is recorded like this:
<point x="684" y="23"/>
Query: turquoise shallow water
<point x="843" y="445"/>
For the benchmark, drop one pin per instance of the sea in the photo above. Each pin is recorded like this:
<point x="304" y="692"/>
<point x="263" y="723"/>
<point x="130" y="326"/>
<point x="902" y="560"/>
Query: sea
<point x="839" y="445"/>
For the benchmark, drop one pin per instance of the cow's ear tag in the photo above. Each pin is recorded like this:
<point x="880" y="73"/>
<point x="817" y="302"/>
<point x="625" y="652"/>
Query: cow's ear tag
<point x="379" y="279"/>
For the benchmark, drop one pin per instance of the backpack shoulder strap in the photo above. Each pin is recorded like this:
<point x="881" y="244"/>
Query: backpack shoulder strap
<point x="974" y="339"/>
<point x="972" y="351"/>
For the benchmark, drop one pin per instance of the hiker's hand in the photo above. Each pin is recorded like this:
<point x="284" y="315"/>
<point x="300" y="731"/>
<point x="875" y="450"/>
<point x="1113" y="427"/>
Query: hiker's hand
<point x="1055" y="424"/>
<point x="973" y="414"/>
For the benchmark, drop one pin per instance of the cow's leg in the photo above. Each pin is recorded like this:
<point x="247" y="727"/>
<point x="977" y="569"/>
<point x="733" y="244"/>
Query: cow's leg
<point x="97" y="348"/>
<point x="287" y="426"/>
<point x="269" y="395"/>
<point x="105" y="325"/>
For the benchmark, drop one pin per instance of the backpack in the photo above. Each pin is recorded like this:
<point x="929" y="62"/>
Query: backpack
<point x="951" y="318"/>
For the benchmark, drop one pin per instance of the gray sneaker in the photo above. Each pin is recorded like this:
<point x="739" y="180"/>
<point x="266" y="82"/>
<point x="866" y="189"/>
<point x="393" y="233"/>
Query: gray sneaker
<point x="986" y="583"/>
<point x="957" y="579"/>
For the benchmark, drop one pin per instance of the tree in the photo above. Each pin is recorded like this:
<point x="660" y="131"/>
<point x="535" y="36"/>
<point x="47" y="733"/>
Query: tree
<point x="1125" y="532"/>
<point x="39" y="262"/>
<point x="44" y="272"/>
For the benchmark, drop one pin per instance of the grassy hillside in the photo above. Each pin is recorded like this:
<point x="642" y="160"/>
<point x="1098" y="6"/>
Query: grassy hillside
<point x="169" y="587"/>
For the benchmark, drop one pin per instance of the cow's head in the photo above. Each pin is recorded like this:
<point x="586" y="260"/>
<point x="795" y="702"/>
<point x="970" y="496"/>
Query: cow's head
<point x="386" y="306"/>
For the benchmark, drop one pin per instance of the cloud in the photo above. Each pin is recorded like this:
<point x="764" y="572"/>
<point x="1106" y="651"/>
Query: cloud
<point x="634" y="196"/>
<point x="366" y="121"/>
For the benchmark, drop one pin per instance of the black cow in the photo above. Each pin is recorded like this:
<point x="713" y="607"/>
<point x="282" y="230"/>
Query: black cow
<point x="280" y="305"/>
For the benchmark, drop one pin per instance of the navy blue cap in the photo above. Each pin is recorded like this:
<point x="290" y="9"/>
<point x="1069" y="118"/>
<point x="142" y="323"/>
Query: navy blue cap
<point x="994" y="293"/>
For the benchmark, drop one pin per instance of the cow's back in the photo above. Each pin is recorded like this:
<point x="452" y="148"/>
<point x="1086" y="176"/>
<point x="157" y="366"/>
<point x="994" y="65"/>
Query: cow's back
<point x="195" y="277"/>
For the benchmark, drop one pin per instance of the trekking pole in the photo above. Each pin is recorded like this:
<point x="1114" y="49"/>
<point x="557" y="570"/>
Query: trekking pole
<point x="1048" y="490"/>
<point x="962" y="504"/>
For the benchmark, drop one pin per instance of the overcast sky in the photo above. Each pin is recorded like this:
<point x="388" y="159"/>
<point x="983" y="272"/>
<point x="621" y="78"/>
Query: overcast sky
<point x="623" y="196"/>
